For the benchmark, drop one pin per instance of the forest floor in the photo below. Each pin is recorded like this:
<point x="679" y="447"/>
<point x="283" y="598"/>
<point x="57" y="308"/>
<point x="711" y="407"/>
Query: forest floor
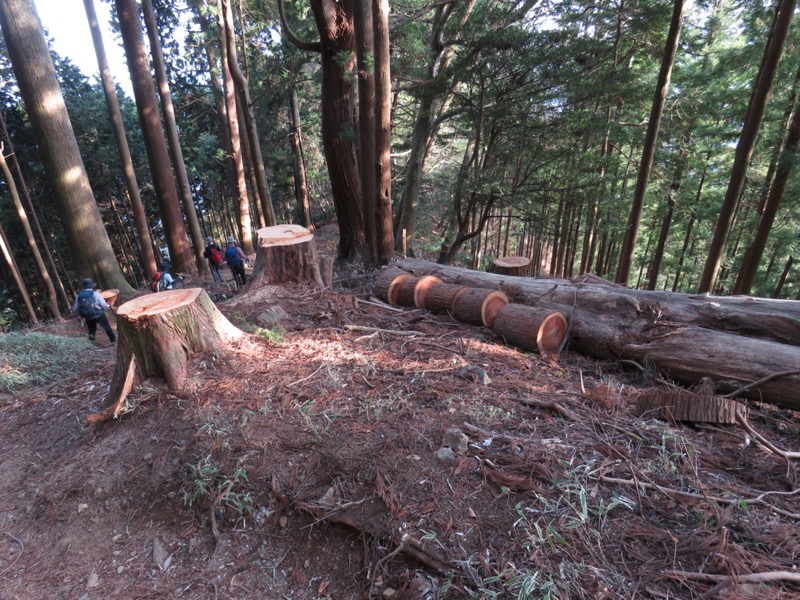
<point x="311" y="463"/>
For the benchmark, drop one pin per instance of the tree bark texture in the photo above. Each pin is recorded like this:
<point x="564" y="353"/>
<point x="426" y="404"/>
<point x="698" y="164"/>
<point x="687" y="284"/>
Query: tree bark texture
<point x="155" y="143"/>
<point x="384" y="234"/>
<point x="286" y="253"/>
<point x="686" y="406"/>
<point x="38" y="85"/>
<point x="299" y="164"/>
<point x="479" y="306"/>
<point x="5" y="249"/>
<point x="442" y="297"/>
<point x="734" y="340"/>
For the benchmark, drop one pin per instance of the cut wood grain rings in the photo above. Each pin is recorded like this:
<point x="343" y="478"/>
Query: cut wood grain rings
<point x="384" y="281"/>
<point x="393" y="295"/>
<point x="479" y="306"/>
<point x="422" y="289"/>
<point x="531" y="327"/>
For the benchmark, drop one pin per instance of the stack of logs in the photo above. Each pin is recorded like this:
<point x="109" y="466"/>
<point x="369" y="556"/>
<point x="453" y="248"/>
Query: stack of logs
<point x="526" y="326"/>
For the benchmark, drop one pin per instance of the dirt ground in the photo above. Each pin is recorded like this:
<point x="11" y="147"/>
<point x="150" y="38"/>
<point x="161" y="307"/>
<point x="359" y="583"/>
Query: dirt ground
<point x="309" y="462"/>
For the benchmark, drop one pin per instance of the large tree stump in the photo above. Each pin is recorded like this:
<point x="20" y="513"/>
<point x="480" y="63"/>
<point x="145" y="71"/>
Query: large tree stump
<point x="516" y="266"/>
<point x="286" y="253"/>
<point x="531" y="327"/>
<point x="687" y="406"/>
<point x="442" y="297"/>
<point x="157" y="335"/>
<point x="479" y="306"/>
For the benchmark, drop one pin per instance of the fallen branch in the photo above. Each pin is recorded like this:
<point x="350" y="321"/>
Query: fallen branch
<point x="764" y="441"/>
<point x="747" y="578"/>
<point x="306" y="378"/>
<point x="769" y="377"/>
<point x="379" y="304"/>
<point x="377" y="330"/>
<point x="383" y="561"/>
<point x="549" y="405"/>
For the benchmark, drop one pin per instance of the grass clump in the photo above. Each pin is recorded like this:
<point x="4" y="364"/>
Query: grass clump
<point x="29" y="359"/>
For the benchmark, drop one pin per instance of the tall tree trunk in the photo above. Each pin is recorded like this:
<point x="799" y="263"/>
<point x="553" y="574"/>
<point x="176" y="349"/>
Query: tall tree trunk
<point x="658" y="255"/>
<point x="299" y="163"/>
<point x="365" y="61"/>
<point x="117" y="126"/>
<point x="246" y="105"/>
<point x="752" y="257"/>
<point x="747" y="140"/>
<point x="155" y="143"/>
<point x="5" y="249"/>
<point x="69" y="184"/>
<point x="646" y="163"/>
<point x="233" y="120"/>
<point x="31" y="210"/>
<point x="52" y="299"/>
<point x="171" y="125"/>
<point x="384" y="233"/>
<point x="782" y="280"/>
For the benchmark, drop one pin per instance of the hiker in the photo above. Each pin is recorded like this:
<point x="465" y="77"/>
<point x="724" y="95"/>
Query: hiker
<point x="214" y="256"/>
<point x="162" y="280"/>
<point x="90" y="305"/>
<point x="235" y="259"/>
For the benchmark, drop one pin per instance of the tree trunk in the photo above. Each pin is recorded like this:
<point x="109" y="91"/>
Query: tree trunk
<point x="52" y="298"/>
<point x="384" y="235"/>
<point x="782" y="280"/>
<point x="686" y="337"/>
<point x="286" y="253"/>
<point x="5" y="249"/>
<point x="299" y="163"/>
<point x="658" y="255"/>
<point x="648" y="151"/>
<point x="747" y="141"/>
<point x="155" y="143"/>
<point x="69" y="184"/>
<point x="159" y="335"/>
<point x="175" y="151"/>
<point x="246" y="105"/>
<point x="117" y="126"/>
<point x="752" y="257"/>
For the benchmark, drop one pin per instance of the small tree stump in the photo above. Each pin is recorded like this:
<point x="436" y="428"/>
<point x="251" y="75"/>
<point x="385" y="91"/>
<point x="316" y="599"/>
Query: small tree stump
<point x="479" y="306"/>
<point x="517" y="266"/>
<point x="531" y="327"/>
<point x="157" y="335"/>
<point x="386" y="278"/>
<point x="686" y="406"/>
<point x="442" y="297"/>
<point x="286" y="253"/>
<point x="423" y="288"/>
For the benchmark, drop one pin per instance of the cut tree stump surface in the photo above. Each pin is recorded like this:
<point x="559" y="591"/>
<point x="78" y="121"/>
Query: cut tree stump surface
<point x="286" y="253"/>
<point x="515" y="266"/>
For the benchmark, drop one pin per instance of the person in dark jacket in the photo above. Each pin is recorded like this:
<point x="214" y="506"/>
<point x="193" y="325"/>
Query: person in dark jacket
<point x="214" y="259"/>
<point x="91" y="306"/>
<point x="236" y="258"/>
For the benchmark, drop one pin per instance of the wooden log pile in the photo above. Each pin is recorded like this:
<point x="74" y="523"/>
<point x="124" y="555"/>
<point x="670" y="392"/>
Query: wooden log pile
<point x="525" y="326"/>
<point x="739" y="342"/>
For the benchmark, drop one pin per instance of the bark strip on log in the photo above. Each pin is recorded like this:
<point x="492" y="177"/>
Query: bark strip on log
<point x="513" y="266"/>
<point x="442" y="297"/>
<point x="158" y="334"/>
<point x="479" y="306"/>
<point x="683" y="336"/>
<point x="384" y="281"/>
<point x="686" y="406"/>
<point x="531" y="327"/>
<point x="422" y="289"/>
<point x="286" y="253"/>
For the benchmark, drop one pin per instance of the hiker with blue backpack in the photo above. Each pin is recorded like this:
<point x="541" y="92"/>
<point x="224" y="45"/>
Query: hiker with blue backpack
<point x="91" y="306"/>
<point x="236" y="258"/>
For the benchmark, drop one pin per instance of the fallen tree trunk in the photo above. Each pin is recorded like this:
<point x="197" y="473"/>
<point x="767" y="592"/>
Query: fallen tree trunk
<point x="158" y="334"/>
<point x="670" y="331"/>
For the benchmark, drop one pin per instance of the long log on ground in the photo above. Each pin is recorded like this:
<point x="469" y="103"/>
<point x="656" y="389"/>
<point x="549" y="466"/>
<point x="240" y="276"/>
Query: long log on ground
<point x="670" y="331"/>
<point x="286" y="253"/>
<point x="157" y="336"/>
<point x="770" y="319"/>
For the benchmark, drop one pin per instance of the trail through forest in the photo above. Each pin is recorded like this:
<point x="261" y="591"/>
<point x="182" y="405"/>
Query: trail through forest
<point x="353" y="451"/>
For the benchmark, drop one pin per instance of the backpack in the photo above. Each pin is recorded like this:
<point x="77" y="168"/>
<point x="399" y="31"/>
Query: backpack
<point x="87" y="305"/>
<point x="232" y="257"/>
<point x="216" y="256"/>
<point x="155" y="283"/>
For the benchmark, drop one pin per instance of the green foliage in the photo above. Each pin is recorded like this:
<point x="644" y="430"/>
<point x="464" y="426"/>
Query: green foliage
<point x="29" y="359"/>
<point x="208" y="486"/>
<point x="274" y="336"/>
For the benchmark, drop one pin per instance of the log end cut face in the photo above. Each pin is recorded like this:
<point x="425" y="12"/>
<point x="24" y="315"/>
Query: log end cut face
<point x="551" y="333"/>
<point x="283" y="235"/>
<point x="512" y="261"/>
<point x="155" y="304"/>
<point x="492" y="305"/>
<point x="422" y="288"/>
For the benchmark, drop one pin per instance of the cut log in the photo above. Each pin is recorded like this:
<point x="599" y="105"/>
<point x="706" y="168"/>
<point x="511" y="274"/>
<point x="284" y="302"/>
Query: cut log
<point x="531" y="327"/>
<point x="157" y="335"/>
<point x="384" y="282"/>
<point x="442" y="297"/>
<point x="402" y="291"/>
<point x="685" y="337"/>
<point x="286" y="253"/>
<point x="479" y="306"/>
<point x="687" y="406"/>
<point x="514" y="266"/>
<point x="422" y="289"/>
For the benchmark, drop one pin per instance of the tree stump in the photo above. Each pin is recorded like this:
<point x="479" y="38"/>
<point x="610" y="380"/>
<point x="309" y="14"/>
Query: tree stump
<point x="442" y="297"/>
<point x="479" y="306"/>
<point x="687" y="406"/>
<point x="423" y="288"/>
<point x="531" y="327"/>
<point x="384" y="282"/>
<point x="157" y="335"/>
<point x="517" y="266"/>
<point x="286" y="253"/>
